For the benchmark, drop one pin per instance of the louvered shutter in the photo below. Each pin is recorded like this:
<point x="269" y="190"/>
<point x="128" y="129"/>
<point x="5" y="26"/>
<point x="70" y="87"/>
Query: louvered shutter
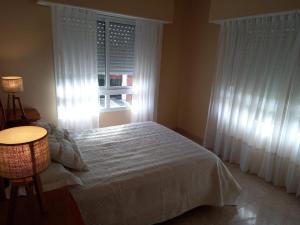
<point x="101" y="52"/>
<point x="121" y="48"/>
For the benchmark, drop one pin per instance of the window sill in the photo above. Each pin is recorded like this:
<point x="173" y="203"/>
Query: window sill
<point x="116" y="109"/>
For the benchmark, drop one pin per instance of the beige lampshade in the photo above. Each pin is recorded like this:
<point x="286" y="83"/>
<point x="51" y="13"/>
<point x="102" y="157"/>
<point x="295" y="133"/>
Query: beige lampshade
<point x="12" y="84"/>
<point x="24" y="151"/>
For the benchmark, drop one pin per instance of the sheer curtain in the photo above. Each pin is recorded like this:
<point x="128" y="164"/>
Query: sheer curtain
<point x="76" y="67"/>
<point x="148" y="40"/>
<point x="254" y="115"/>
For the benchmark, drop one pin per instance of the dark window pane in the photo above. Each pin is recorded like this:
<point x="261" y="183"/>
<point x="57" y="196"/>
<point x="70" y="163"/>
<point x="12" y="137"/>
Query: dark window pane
<point x="101" y="80"/>
<point x="115" y="80"/>
<point x="120" y="80"/>
<point x="102" y="101"/>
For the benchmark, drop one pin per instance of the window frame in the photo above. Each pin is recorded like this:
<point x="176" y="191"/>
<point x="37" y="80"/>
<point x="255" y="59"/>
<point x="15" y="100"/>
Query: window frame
<point x="107" y="89"/>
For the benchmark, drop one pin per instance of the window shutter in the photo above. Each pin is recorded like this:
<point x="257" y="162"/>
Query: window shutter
<point x="121" y="48"/>
<point x="101" y="47"/>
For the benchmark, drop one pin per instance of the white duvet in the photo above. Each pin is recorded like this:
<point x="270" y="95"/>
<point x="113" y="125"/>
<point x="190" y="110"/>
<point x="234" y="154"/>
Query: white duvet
<point x="145" y="173"/>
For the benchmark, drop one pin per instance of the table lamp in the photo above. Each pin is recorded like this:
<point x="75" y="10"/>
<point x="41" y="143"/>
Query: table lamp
<point x="24" y="153"/>
<point x="12" y="85"/>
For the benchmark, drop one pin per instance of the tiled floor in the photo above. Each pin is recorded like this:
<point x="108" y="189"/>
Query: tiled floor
<point x="260" y="203"/>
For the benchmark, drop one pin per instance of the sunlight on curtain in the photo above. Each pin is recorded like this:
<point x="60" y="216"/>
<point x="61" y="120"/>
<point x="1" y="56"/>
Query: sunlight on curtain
<point x="74" y="101"/>
<point x="75" y="49"/>
<point x="147" y="62"/>
<point x="254" y="115"/>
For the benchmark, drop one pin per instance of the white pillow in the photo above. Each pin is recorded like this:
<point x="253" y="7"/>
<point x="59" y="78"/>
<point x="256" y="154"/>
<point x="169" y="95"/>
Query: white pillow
<point x="66" y="152"/>
<point x="63" y="148"/>
<point x="48" y="126"/>
<point x="56" y="176"/>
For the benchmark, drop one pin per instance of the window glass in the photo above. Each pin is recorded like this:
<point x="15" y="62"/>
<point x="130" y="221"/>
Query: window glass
<point x="115" y="48"/>
<point x="102" y="101"/>
<point x="120" y="80"/>
<point x="121" y="100"/>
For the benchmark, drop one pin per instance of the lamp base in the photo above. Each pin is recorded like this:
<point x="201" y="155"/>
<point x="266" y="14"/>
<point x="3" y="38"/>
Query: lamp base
<point x="29" y="183"/>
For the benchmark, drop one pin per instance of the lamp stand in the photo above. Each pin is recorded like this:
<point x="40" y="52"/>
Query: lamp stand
<point x="14" y="98"/>
<point x="29" y="183"/>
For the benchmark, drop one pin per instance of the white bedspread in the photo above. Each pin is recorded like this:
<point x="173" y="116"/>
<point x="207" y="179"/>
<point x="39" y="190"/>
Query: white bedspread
<point x="145" y="173"/>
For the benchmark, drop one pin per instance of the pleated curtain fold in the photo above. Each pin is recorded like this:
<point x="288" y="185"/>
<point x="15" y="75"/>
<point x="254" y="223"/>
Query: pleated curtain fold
<point x="148" y="41"/>
<point x="254" y="115"/>
<point x="75" y="46"/>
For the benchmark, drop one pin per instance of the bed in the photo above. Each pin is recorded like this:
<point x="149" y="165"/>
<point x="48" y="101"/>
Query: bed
<point x="145" y="173"/>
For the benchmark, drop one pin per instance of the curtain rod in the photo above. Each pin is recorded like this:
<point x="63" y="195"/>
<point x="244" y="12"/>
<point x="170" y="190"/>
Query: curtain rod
<point x="105" y="13"/>
<point x="254" y="16"/>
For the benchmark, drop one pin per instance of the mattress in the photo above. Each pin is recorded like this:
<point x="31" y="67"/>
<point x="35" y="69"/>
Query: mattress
<point x="145" y="173"/>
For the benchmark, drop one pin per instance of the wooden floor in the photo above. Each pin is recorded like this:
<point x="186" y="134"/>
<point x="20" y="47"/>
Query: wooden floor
<point x="259" y="203"/>
<point x="60" y="205"/>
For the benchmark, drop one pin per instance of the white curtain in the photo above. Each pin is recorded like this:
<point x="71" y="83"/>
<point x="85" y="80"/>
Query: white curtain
<point x="148" y="40"/>
<point x="254" y="116"/>
<point x="76" y="67"/>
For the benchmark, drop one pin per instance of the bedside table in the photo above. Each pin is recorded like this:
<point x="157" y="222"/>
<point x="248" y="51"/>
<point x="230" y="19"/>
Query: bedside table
<point x="60" y="206"/>
<point x="13" y="120"/>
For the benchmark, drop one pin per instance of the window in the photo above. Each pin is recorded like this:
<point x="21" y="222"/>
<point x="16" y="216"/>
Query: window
<point x="115" y="62"/>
